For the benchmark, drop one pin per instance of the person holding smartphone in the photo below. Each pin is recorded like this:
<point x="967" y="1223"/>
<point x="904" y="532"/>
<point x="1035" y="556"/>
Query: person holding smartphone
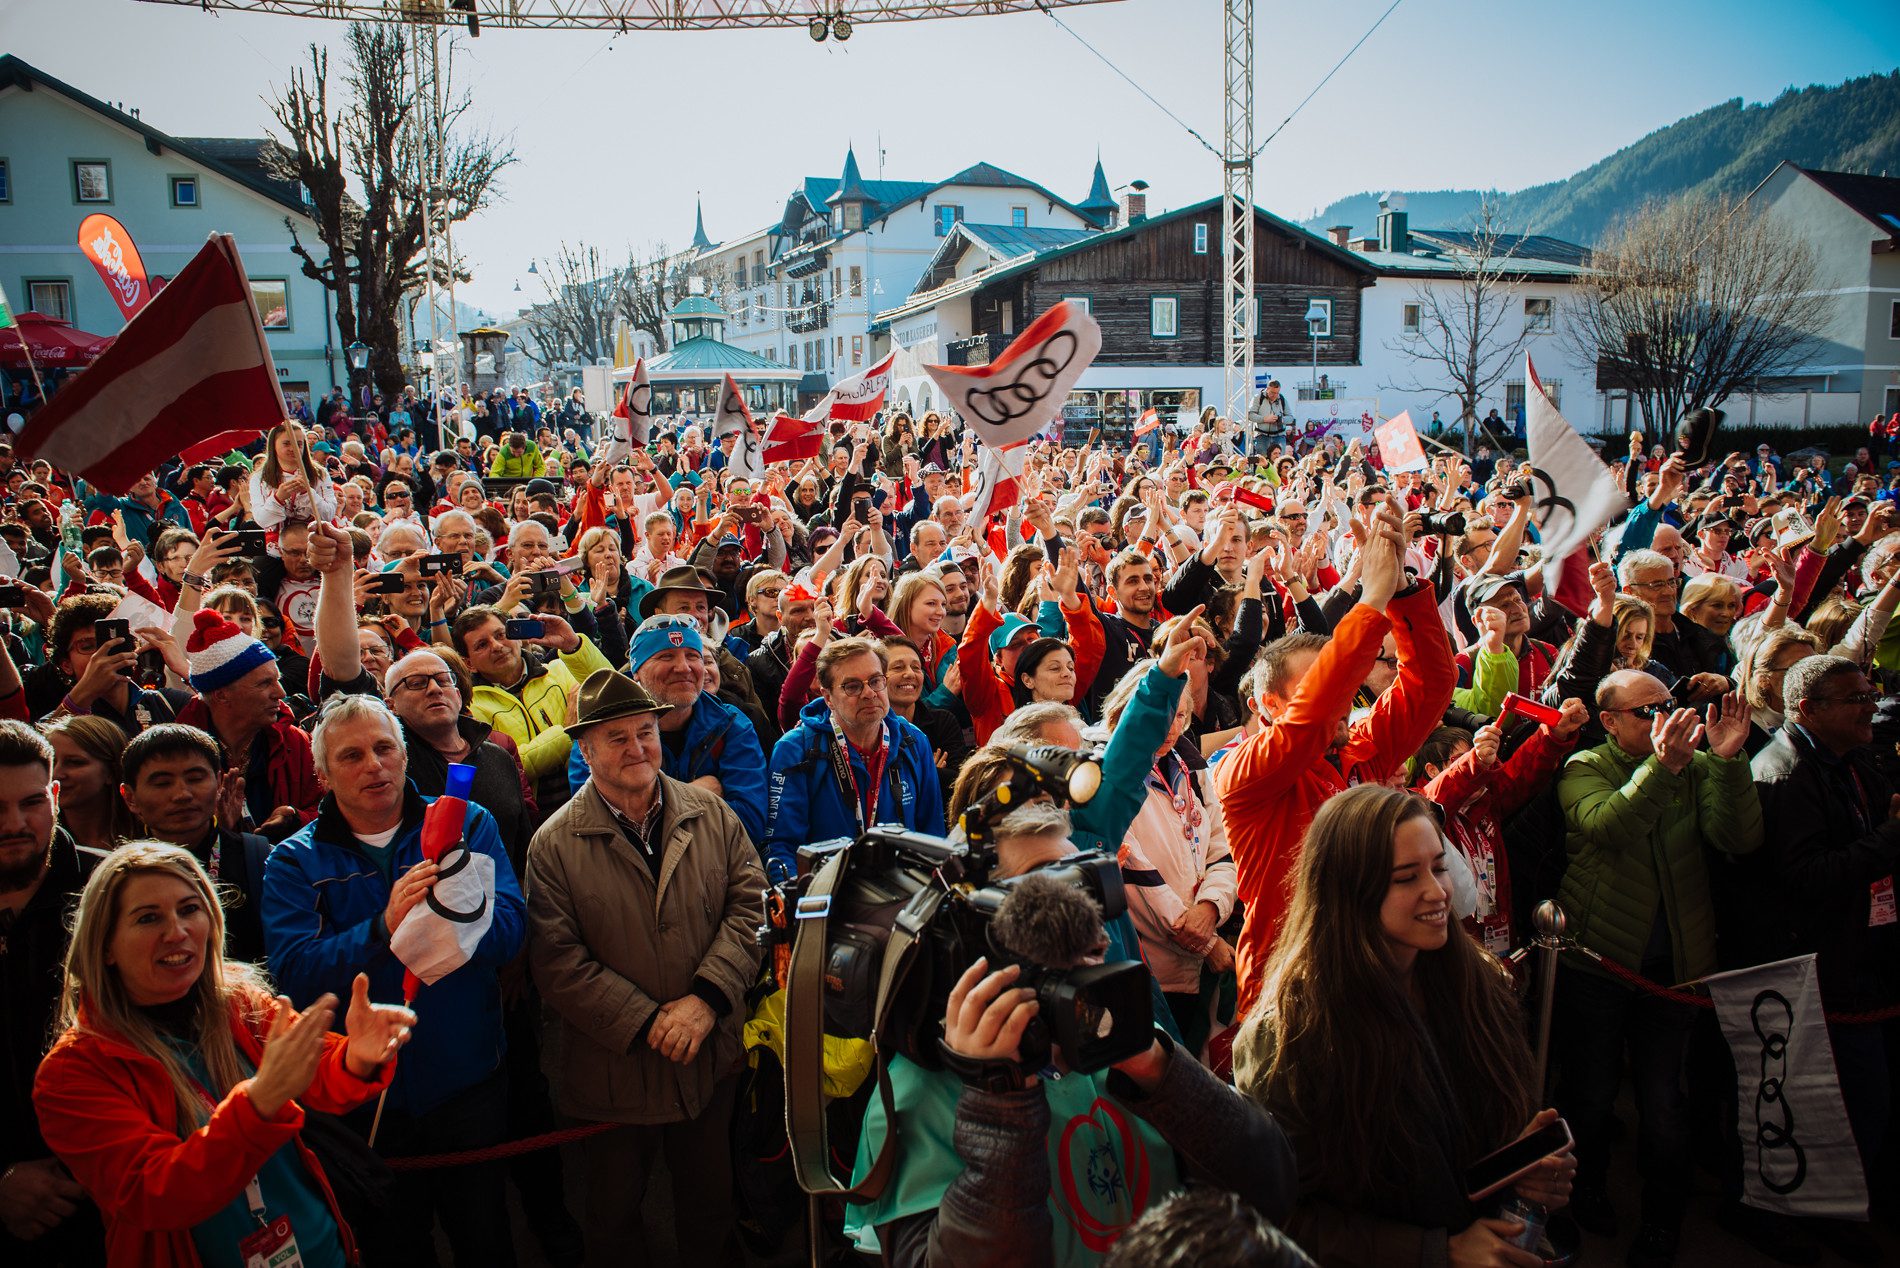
<point x="1391" y="1048"/>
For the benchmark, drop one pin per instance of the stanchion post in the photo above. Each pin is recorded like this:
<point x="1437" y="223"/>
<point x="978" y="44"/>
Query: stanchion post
<point x="1549" y="922"/>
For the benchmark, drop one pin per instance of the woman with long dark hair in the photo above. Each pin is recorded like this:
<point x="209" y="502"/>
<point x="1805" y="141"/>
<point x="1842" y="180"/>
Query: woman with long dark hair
<point x="289" y="483"/>
<point x="176" y="1093"/>
<point x="1390" y="1046"/>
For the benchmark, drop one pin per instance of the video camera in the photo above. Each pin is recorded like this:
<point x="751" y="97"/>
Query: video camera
<point x="929" y="901"/>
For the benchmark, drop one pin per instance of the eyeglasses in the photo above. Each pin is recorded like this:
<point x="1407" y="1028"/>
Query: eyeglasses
<point x="1664" y="583"/>
<point x="1852" y="697"/>
<point x="422" y="682"/>
<point x="1647" y="712"/>
<point x="855" y="687"/>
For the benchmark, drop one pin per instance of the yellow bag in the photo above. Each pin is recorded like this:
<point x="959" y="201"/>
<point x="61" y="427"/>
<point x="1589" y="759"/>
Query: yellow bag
<point x="848" y="1062"/>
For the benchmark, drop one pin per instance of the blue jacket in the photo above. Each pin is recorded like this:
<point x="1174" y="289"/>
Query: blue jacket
<point x="720" y="741"/>
<point x="807" y="805"/>
<point x="323" y="902"/>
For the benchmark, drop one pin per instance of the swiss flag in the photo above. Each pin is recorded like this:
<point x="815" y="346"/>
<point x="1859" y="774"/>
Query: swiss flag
<point x="861" y="396"/>
<point x="190" y="375"/>
<point x="1015" y="396"/>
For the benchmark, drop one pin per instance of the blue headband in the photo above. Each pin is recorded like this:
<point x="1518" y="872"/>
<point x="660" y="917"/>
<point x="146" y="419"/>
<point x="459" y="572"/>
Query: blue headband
<point x="659" y="634"/>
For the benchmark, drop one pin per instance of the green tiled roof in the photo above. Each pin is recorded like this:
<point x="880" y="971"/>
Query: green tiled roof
<point x="695" y="306"/>
<point x="711" y="356"/>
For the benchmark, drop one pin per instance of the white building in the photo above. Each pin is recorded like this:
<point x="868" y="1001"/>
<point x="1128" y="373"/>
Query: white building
<point x="1423" y="270"/>
<point x="805" y="291"/>
<point x="65" y="154"/>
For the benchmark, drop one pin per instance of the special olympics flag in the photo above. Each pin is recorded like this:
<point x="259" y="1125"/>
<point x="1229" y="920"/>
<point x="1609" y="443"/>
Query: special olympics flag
<point x="1798" y="1152"/>
<point x="1399" y="445"/>
<point x="106" y="243"/>
<point x="1574" y="493"/>
<point x="734" y="419"/>
<point x="858" y="398"/>
<point x="632" y="420"/>
<point x="1015" y="396"/>
<point x="440" y="933"/>
<point x="191" y="372"/>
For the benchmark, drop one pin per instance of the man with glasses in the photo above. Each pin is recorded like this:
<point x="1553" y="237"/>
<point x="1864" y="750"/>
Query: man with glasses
<point x="1643" y="811"/>
<point x="849" y="763"/>
<point x="1693" y="653"/>
<point x="1834" y="818"/>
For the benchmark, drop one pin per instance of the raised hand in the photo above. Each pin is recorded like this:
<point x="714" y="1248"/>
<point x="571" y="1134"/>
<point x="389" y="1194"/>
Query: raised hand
<point x="292" y="1050"/>
<point x="1727" y="726"/>
<point x="1485" y="742"/>
<point x="1603" y="590"/>
<point x="376" y="1031"/>
<point x="1185" y="645"/>
<point x="1675" y="735"/>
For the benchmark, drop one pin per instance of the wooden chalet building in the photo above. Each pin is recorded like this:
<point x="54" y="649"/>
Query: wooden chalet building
<point x="1154" y="284"/>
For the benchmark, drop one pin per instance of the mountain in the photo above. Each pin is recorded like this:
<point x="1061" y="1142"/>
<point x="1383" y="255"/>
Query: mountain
<point x="1725" y="150"/>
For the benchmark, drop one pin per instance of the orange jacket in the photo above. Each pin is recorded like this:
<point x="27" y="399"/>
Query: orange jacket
<point x="1272" y="783"/>
<point x="107" y="1112"/>
<point x="986" y="693"/>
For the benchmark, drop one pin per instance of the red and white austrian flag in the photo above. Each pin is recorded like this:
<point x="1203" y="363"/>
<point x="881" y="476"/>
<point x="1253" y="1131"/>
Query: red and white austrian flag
<point x="440" y="934"/>
<point x="1015" y="396"/>
<point x="861" y="396"/>
<point x="1150" y="420"/>
<point x="792" y="439"/>
<point x="189" y="375"/>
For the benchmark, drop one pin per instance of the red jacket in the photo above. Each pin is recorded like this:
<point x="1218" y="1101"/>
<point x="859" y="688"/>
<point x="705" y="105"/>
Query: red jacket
<point x="1477" y="801"/>
<point x="108" y="1113"/>
<point x="987" y="695"/>
<point x="1273" y="782"/>
<point x="289" y="764"/>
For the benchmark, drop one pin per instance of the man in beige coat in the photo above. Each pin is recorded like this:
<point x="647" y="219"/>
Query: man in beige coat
<point x="644" y="894"/>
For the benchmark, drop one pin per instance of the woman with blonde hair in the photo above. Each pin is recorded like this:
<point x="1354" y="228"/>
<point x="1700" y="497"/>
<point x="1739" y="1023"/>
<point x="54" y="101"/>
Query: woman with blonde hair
<point x="918" y="607"/>
<point x="289" y="483"/>
<point x="1634" y="624"/>
<point x="175" y="1093"/>
<point x="1390" y="1046"/>
<point x="86" y="753"/>
<point x="1713" y="601"/>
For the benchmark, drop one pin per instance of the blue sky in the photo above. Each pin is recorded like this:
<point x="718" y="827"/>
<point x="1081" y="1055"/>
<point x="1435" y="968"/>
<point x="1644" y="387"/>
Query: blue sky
<point x="617" y="134"/>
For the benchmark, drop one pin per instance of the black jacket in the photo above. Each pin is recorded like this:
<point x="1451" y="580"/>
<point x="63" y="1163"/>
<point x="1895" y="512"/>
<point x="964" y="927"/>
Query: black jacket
<point x="32" y="949"/>
<point x="1826" y="822"/>
<point x="499" y="786"/>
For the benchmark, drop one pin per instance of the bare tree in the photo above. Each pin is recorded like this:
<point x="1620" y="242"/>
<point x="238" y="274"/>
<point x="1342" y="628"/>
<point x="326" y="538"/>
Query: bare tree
<point x="1469" y="335"/>
<point x="374" y="167"/>
<point x="655" y="283"/>
<point x="1697" y="299"/>
<point x="576" y="320"/>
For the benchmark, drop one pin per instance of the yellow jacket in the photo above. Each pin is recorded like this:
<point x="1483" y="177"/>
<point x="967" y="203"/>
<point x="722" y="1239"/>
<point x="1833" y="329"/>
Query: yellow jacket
<point x="534" y="716"/>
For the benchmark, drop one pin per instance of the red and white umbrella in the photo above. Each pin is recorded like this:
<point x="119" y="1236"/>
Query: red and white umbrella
<point x="55" y="344"/>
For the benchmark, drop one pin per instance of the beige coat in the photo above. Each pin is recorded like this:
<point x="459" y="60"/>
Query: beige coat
<point x="608" y="947"/>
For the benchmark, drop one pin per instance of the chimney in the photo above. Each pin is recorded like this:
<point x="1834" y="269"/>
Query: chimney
<point x="1394" y="235"/>
<point x="1341" y="235"/>
<point x="1134" y="208"/>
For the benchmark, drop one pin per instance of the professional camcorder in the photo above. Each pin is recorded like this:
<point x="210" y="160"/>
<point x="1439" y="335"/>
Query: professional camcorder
<point x="929" y="902"/>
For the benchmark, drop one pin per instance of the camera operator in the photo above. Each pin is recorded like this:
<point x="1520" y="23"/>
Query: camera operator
<point x="986" y="1171"/>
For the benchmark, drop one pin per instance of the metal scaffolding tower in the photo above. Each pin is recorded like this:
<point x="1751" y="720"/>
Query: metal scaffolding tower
<point x="1238" y="305"/>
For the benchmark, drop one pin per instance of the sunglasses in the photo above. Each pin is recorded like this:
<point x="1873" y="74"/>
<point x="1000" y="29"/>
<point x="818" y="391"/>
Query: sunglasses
<point x="1647" y="712"/>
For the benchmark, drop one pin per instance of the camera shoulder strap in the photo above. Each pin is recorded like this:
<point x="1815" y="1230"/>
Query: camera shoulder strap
<point x="805" y="1124"/>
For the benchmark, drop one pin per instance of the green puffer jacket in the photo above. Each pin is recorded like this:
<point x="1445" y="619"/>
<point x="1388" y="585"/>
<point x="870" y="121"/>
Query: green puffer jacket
<point x="1635" y="837"/>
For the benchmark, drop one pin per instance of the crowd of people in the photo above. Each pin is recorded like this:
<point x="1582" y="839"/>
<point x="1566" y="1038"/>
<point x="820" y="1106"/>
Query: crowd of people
<point x="1348" y="743"/>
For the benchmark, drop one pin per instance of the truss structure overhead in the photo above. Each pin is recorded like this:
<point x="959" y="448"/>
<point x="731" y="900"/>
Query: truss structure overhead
<point x="634" y="15"/>
<point x="1238" y="307"/>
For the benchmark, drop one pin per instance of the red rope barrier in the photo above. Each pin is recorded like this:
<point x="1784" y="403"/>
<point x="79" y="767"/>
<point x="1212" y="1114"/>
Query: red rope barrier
<point x="494" y="1153"/>
<point x="1864" y="1018"/>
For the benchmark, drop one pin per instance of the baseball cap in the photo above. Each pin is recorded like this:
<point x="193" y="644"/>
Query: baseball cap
<point x="1012" y="625"/>
<point x="1486" y="587"/>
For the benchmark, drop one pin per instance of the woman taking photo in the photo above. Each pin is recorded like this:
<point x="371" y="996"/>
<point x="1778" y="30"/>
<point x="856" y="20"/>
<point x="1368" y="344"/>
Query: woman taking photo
<point x="290" y="484"/>
<point x="175" y="1093"/>
<point x="86" y="754"/>
<point x="1390" y="1047"/>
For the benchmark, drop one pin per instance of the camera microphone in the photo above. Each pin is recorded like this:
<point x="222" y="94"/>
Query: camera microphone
<point x="1048" y="921"/>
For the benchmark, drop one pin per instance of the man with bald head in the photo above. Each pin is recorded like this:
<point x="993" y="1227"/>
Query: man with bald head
<point x="1670" y="542"/>
<point x="1642" y="812"/>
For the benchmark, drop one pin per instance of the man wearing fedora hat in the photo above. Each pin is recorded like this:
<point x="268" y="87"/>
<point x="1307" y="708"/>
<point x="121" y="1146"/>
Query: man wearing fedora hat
<point x="643" y="896"/>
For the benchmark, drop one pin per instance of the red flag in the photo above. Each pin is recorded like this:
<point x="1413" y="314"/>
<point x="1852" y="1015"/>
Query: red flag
<point x="859" y="397"/>
<point x="997" y="475"/>
<point x="190" y="372"/>
<point x="1399" y="444"/>
<point x="105" y="242"/>
<point x="793" y="439"/>
<point x="1150" y="420"/>
<point x="1014" y="397"/>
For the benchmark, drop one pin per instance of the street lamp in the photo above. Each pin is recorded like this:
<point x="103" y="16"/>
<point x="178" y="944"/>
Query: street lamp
<point x="357" y="354"/>
<point x="1316" y="319"/>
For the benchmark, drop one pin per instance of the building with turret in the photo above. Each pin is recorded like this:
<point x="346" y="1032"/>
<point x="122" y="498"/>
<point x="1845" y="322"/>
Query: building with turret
<point x="804" y="291"/>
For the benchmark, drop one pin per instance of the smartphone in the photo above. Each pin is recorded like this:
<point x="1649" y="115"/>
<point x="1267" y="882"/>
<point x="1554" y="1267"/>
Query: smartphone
<point x="1493" y="1171"/>
<point x="250" y="541"/>
<point x="1732" y="502"/>
<point x="570" y="565"/>
<point x="431" y="565"/>
<point x="12" y="595"/>
<point x="110" y="630"/>
<point x="542" y="584"/>
<point x="388" y="583"/>
<point x="524" y="628"/>
<point x="1535" y="710"/>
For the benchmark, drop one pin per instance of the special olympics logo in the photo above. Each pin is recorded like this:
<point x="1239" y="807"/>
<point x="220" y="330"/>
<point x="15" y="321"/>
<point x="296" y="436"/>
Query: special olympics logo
<point x="1780" y="1160"/>
<point x="452" y="864"/>
<point x="1004" y="403"/>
